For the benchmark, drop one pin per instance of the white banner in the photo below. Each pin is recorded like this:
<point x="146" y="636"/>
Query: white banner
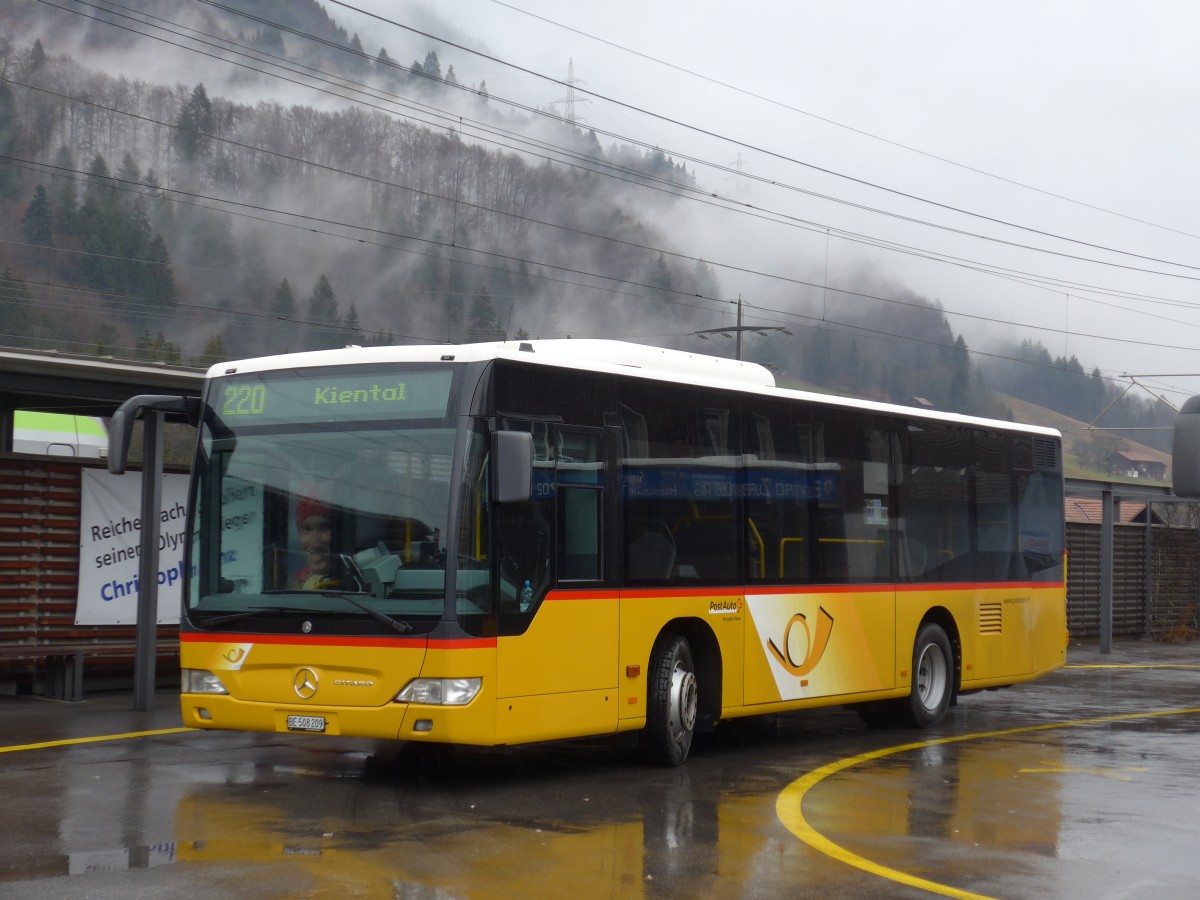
<point x="110" y="535"/>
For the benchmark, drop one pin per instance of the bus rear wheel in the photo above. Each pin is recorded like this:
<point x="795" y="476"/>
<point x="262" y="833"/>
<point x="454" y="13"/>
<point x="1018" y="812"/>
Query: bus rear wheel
<point x="674" y="698"/>
<point x="932" y="677"/>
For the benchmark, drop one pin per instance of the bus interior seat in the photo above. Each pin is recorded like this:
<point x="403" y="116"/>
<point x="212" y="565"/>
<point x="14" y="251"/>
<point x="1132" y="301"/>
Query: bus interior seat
<point x="708" y="544"/>
<point x="652" y="554"/>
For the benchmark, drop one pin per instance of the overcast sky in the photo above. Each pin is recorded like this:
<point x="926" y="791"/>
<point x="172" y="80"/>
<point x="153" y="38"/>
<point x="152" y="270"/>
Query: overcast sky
<point x="1072" y="119"/>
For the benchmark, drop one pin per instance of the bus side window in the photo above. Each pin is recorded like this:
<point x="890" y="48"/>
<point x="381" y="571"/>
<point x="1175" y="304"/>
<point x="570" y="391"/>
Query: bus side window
<point x="936" y="503"/>
<point x="580" y="530"/>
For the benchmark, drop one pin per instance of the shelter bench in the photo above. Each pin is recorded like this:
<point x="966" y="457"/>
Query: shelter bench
<point x="64" y="661"/>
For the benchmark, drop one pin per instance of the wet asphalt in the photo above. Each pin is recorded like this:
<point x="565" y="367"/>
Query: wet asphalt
<point x="1085" y="784"/>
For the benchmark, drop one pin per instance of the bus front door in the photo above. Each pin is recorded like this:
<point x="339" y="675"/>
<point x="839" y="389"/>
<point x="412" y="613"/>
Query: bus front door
<point x="557" y="650"/>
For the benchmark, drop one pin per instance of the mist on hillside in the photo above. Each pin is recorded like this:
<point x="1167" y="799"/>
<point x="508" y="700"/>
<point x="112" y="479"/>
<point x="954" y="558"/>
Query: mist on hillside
<point x="205" y="211"/>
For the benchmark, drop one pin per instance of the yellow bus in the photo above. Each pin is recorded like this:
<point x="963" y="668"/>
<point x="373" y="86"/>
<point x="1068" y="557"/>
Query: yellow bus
<point x="496" y="544"/>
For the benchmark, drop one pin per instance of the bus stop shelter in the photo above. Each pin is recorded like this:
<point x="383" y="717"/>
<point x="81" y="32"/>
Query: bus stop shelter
<point x="53" y="382"/>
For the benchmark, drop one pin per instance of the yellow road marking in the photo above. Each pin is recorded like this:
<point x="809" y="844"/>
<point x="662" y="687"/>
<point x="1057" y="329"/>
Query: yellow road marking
<point x="66" y="742"/>
<point x="1052" y="769"/>
<point x="1134" y="666"/>
<point x="788" y="806"/>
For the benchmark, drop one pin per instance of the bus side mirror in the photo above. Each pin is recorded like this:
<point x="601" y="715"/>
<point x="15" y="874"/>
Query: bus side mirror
<point x="1185" y="450"/>
<point x="512" y="466"/>
<point x="120" y="431"/>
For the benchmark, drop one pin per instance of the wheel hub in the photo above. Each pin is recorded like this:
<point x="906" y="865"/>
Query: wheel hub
<point x="684" y="702"/>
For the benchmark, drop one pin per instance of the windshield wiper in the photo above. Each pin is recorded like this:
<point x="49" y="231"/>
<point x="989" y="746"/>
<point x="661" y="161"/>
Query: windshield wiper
<point x="377" y="615"/>
<point x="243" y="614"/>
<point x="394" y="624"/>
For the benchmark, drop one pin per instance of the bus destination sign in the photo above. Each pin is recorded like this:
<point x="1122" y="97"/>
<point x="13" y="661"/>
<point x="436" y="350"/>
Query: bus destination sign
<point x="322" y="395"/>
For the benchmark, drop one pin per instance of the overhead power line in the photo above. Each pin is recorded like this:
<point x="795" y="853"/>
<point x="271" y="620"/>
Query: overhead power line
<point x="351" y="225"/>
<point x="569" y="84"/>
<point x="737" y="142"/>
<point x="842" y="125"/>
<point x="679" y="189"/>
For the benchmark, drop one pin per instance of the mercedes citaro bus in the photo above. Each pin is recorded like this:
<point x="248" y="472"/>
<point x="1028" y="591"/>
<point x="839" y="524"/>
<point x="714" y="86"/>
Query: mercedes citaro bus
<point x="502" y="543"/>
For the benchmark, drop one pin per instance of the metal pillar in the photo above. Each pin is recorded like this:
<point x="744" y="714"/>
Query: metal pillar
<point x="145" y="648"/>
<point x="1148" y="555"/>
<point x="1108" y="507"/>
<point x="739" y="329"/>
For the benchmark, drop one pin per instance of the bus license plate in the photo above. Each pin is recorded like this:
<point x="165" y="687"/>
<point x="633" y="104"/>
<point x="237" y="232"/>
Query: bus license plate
<point x="306" y="723"/>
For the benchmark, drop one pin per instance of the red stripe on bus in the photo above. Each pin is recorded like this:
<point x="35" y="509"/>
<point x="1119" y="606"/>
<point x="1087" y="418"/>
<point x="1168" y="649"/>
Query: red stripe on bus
<point x="335" y="641"/>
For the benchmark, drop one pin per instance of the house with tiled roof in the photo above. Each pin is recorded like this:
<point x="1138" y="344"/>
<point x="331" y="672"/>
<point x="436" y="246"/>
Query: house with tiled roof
<point x="1081" y="509"/>
<point x="1141" y="465"/>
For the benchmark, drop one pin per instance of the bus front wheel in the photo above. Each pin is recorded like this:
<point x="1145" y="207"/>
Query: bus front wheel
<point x="932" y="677"/>
<point x="674" y="696"/>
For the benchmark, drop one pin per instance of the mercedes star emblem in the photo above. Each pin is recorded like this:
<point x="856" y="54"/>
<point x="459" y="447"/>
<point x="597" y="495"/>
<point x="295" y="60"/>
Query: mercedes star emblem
<point x="305" y="684"/>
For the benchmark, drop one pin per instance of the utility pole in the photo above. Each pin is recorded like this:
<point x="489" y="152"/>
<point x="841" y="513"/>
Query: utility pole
<point x="739" y="329"/>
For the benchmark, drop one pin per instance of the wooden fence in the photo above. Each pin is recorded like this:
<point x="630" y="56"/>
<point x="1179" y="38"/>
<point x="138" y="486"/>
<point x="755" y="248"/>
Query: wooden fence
<point x="1156" y="581"/>
<point x="39" y="579"/>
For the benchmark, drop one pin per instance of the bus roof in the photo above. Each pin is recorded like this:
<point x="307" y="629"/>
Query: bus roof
<point x="604" y="356"/>
<point x="580" y="354"/>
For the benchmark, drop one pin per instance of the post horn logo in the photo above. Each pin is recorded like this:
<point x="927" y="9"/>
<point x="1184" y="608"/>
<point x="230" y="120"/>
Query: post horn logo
<point x="305" y="684"/>
<point x="816" y="644"/>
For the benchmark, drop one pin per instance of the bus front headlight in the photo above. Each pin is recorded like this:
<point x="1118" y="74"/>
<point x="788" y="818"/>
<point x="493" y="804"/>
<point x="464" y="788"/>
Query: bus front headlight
<point x="440" y="691"/>
<point x="200" y="681"/>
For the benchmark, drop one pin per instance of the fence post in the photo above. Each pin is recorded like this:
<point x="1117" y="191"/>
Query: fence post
<point x="1148" y="589"/>
<point x="1107" y="504"/>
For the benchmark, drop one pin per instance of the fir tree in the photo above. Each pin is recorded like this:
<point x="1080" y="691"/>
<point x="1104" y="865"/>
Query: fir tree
<point x="659" y="278"/>
<point x="431" y="66"/>
<point x="324" y="318"/>
<point x="386" y="69"/>
<point x="136" y="235"/>
<point x="284" y="330"/>
<point x="960" y="377"/>
<point x="283" y="304"/>
<point x="16" y="307"/>
<point x="128" y="175"/>
<point x="351" y="327"/>
<point x="99" y="229"/>
<point x="101" y="189"/>
<point x="10" y="130"/>
<point x="359" y="60"/>
<point x="194" y="125"/>
<point x="38" y="223"/>
<point x="213" y="353"/>
<point x="159" y="279"/>
<point x="162" y="214"/>
<point x="105" y="340"/>
<point x="64" y="197"/>
<point x="484" y="324"/>
<point x="158" y="349"/>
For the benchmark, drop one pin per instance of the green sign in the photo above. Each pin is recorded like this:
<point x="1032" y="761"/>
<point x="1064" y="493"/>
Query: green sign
<point x="324" y="395"/>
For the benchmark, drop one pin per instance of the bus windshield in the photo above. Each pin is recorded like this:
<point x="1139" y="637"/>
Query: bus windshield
<point x="327" y="493"/>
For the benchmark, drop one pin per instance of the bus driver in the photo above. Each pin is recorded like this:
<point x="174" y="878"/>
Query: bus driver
<point x="314" y="522"/>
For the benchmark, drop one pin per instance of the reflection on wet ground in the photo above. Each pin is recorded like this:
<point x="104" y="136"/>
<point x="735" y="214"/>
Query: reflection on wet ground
<point x="1080" y="785"/>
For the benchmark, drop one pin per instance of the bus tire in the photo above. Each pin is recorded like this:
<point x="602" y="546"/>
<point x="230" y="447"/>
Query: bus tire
<point x="932" y="677"/>
<point x="672" y="703"/>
